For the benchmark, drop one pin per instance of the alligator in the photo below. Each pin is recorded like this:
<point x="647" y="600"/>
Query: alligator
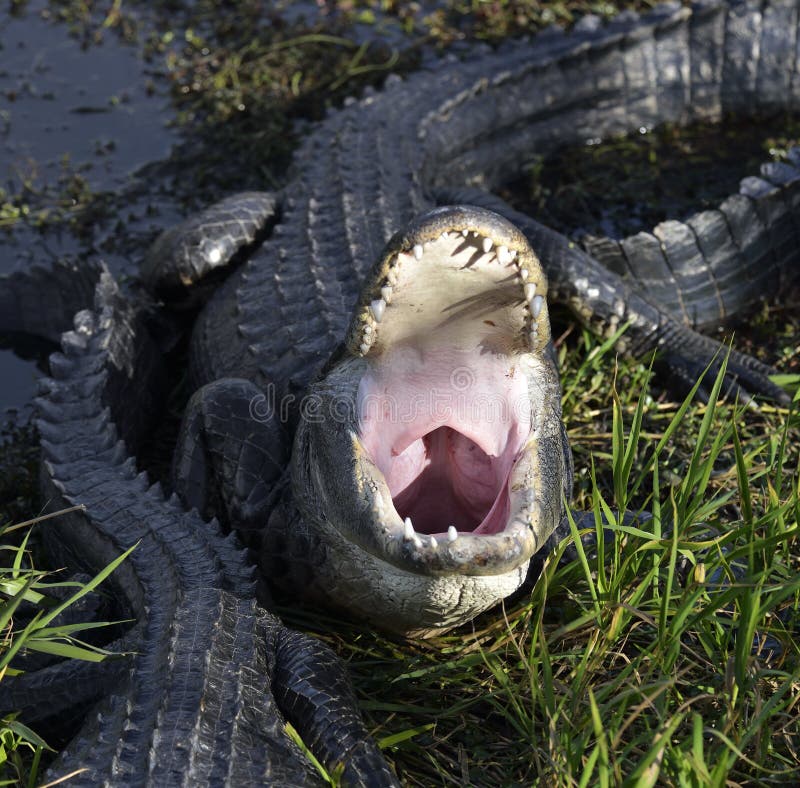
<point x="307" y="362"/>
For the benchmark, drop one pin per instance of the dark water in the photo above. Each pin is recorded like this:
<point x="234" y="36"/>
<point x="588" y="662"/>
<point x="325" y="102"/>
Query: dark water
<point x="88" y="103"/>
<point x="89" y="138"/>
<point x="19" y="379"/>
<point x="619" y="187"/>
<point x="75" y="119"/>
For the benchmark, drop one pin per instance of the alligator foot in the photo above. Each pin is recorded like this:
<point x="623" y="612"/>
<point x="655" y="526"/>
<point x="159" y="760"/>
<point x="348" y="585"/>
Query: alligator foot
<point x="231" y="452"/>
<point x="187" y="260"/>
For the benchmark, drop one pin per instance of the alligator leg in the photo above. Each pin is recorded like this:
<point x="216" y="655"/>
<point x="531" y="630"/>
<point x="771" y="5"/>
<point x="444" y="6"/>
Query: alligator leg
<point x="586" y="525"/>
<point x="315" y="695"/>
<point x="232" y="448"/>
<point x="231" y="452"/>
<point x="604" y="301"/>
<point x="203" y="248"/>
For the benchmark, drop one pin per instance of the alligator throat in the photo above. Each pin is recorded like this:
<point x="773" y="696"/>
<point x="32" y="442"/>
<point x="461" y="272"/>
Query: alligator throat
<point x="450" y="478"/>
<point x="444" y="428"/>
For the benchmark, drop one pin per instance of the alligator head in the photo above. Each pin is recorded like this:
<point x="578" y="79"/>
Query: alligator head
<point x="434" y="459"/>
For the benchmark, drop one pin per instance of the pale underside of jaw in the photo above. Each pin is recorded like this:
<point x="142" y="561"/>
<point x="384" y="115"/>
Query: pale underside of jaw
<point x="444" y="409"/>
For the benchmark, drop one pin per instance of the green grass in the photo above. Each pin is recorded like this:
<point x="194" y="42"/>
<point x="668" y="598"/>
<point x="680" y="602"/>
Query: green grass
<point x="669" y="657"/>
<point x="21" y="584"/>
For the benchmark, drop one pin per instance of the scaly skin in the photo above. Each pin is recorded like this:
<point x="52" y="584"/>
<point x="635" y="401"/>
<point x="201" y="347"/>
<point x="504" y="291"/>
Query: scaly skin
<point x="212" y="677"/>
<point x="372" y="166"/>
<point x="363" y="175"/>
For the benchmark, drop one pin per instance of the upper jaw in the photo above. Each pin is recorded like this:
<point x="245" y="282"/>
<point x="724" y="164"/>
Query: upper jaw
<point x="465" y="280"/>
<point x="515" y="291"/>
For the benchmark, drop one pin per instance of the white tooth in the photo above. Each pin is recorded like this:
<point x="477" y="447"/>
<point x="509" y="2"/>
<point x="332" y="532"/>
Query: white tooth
<point x="465" y="233"/>
<point x="518" y="527"/>
<point x="503" y="255"/>
<point x="533" y="336"/>
<point x="452" y="534"/>
<point x="378" y="308"/>
<point x="417" y="542"/>
<point x="486" y="244"/>
<point x="364" y="348"/>
<point x="367" y="329"/>
<point x="523" y="272"/>
<point x="408" y="530"/>
<point x="530" y="291"/>
<point x="386" y="294"/>
<point x="434" y="543"/>
<point x="443" y="236"/>
<point x="536" y="306"/>
<point x="418" y="251"/>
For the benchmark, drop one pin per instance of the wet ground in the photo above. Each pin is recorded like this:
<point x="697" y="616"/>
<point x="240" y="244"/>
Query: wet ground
<point x="78" y="122"/>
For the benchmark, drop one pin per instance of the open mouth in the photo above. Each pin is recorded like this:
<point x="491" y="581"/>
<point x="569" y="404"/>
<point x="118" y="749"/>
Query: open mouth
<point x="444" y="427"/>
<point x="449" y="478"/>
<point x="432" y="462"/>
<point x="452" y="333"/>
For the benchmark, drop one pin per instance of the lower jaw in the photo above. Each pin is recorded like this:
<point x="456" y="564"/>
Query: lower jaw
<point x="395" y="600"/>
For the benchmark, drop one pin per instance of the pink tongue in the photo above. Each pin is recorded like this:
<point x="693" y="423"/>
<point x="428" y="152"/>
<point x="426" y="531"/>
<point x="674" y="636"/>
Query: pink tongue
<point x="457" y="486"/>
